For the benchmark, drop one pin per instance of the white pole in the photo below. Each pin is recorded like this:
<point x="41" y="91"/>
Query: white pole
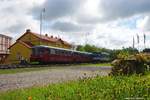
<point x="41" y="23"/>
<point x="41" y="15"/>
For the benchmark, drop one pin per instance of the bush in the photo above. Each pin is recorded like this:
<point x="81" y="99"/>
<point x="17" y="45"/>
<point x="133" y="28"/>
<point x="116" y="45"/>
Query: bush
<point x="132" y="65"/>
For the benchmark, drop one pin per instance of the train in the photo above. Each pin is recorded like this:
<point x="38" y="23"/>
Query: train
<point x="47" y="54"/>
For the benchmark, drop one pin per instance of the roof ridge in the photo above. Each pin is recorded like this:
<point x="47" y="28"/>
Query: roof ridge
<point x="24" y="43"/>
<point x="45" y="38"/>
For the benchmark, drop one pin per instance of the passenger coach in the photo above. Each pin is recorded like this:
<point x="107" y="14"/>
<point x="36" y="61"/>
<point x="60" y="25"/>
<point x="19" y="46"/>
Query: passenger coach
<point x="48" y="54"/>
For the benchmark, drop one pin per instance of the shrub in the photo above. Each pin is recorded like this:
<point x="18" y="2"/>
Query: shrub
<point x="132" y="65"/>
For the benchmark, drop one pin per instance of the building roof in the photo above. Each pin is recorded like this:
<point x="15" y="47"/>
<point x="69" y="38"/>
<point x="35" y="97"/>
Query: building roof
<point x="27" y="44"/>
<point x="41" y="37"/>
<point x="2" y="35"/>
<point x="46" y="38"/>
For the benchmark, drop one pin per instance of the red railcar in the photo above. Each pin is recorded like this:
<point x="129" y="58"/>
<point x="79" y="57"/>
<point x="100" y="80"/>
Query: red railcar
<point x="47" y="54"/>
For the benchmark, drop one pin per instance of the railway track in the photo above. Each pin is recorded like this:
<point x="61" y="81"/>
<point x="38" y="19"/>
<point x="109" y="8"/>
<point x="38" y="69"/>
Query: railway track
<point x="14" y="66"/>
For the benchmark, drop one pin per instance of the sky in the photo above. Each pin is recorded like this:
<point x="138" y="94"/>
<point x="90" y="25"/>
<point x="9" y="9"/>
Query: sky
<point x="104" y="23"/>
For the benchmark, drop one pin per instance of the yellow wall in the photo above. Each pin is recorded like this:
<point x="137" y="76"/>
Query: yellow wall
<point x="20" y="49"/>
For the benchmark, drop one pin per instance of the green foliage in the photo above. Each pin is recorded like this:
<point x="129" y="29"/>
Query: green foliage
<point x="92" y="48"/>
<point x="88" y="48"/>
<point x="80" y="48"/>
<point x="122" y="53"/>
<point x="99" y="88"/>
<point x="130" y="50"/>
<point x="128" y="65"/>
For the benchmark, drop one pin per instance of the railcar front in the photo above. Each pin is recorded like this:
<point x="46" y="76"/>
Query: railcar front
<point x="37" y="54"/>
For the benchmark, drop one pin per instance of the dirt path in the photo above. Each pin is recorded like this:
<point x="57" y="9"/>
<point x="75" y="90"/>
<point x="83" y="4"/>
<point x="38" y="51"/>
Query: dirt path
<point x="54" y="75"/>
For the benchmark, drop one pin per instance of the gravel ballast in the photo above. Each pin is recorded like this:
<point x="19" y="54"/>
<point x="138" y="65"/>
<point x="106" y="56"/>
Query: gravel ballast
<point x="45" y="77"/>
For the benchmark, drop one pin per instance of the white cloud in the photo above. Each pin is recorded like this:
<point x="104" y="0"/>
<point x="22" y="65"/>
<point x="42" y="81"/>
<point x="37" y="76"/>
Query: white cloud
<point x="105" y="23"/>
<point x="144" y="23"/>
<point x="15" y="17"/>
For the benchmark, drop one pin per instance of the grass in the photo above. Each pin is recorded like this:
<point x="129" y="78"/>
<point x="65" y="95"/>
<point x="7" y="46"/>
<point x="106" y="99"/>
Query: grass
<point x="97" y="64"/>
<point x="99" y="88"/>
<point x="20" y="70"/>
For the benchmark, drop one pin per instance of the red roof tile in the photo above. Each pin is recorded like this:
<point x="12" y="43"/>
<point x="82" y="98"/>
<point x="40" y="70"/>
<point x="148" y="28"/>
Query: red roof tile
<point x="50" y="39"/>
<point x="46" y="38"/>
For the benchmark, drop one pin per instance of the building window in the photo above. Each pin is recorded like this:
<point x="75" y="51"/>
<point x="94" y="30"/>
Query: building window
<point x="18" y="56"/>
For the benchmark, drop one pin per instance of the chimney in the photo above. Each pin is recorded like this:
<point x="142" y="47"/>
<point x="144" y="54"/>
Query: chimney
<point x="51" y="36"/>
<point x="28" y="30"/>
<point x="46" y="35"/>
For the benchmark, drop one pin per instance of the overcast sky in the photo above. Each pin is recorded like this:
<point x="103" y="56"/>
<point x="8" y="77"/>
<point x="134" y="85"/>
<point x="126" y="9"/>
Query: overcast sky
<point x="104" y="23"/>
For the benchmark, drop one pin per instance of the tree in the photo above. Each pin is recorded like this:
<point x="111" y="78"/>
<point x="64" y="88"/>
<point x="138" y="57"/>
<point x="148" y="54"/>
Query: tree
<point x="80" y="48"/>
<point x="90" y="48"/>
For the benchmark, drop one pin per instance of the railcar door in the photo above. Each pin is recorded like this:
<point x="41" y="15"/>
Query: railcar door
<point x="46" y="55"/>
<point x="52" y="55"/>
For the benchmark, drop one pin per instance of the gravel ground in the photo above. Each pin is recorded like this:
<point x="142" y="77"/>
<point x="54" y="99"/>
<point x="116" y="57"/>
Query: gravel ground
<point x="44" y="77"/>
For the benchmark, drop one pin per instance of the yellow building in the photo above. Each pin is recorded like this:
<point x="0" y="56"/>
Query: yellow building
<point x="21" y="49"/>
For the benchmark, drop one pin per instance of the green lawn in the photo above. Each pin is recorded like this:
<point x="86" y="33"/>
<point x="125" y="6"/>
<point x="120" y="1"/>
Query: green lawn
<point x="99" y="88"/>
<point x="38" y="68"/>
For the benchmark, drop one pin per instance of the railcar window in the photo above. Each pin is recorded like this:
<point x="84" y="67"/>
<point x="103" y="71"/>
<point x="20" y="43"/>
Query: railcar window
<point x="58" y="52"/>
<point x="53" y="51"/>
<point x="69" y="53"/>
<point x="35" y="51"/>
<point x="64" y="52"/>
<point x="46" y="51"/>
<point x="41" y="51"/>
<point x="61" y="52"/>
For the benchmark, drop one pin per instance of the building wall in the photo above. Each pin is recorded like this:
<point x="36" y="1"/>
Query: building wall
<point x="18" y="51"/>
<point x="5" y="43"/>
